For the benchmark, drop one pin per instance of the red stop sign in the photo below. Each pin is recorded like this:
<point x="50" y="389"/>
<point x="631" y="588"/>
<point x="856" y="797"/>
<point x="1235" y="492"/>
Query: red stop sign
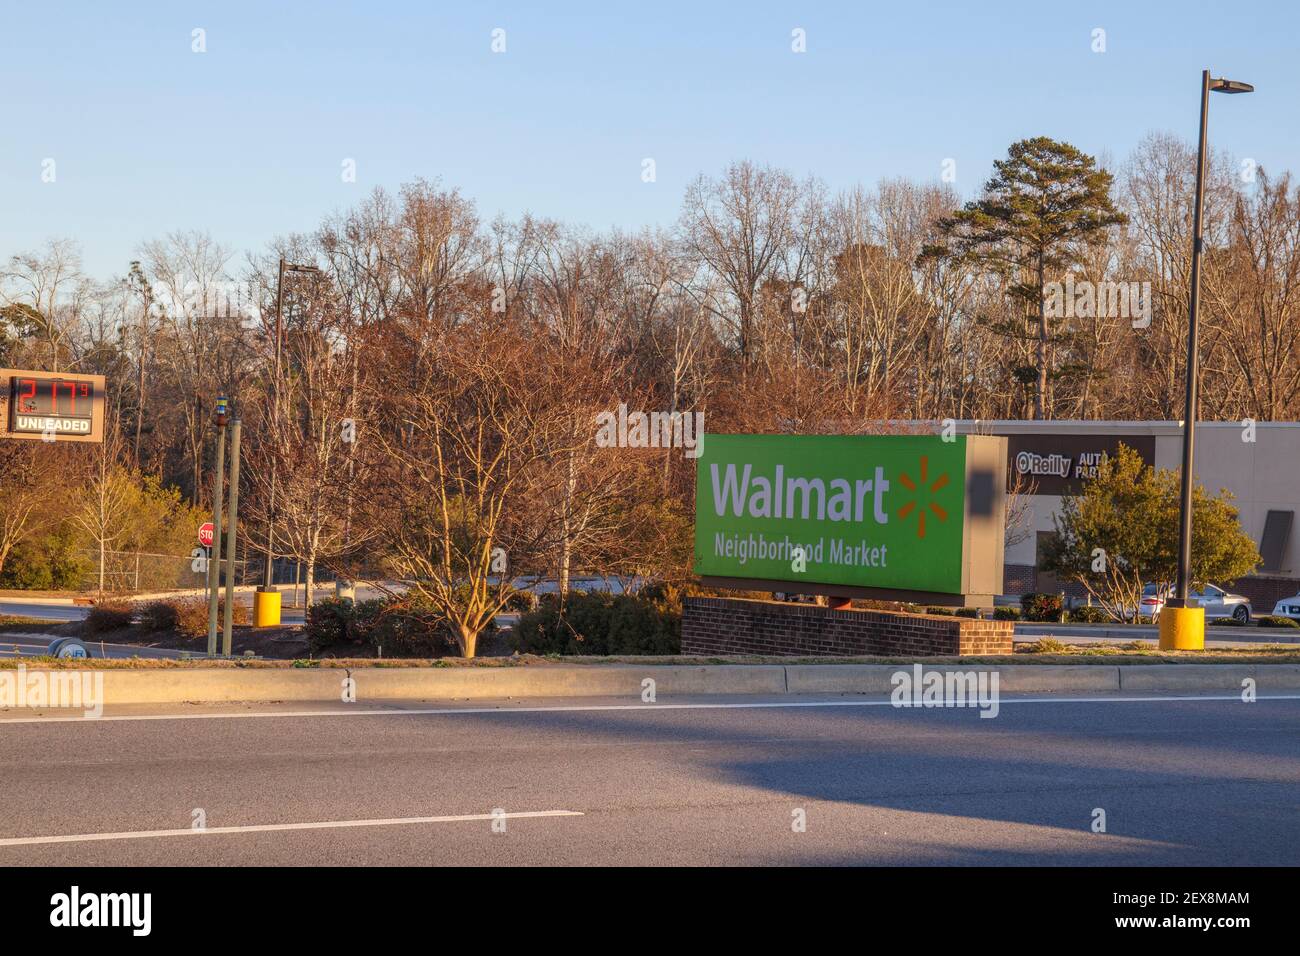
<point x="205" y="534"/>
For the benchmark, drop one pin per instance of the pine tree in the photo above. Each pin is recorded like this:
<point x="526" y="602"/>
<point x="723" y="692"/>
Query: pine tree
<point x="1044" y="206"/>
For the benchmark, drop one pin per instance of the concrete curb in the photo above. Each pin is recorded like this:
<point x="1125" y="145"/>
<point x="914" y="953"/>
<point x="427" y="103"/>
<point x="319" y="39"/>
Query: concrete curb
<point x="227" y="685"/>
<point x="420" y="683"/>
<point x="1216" y="677"/>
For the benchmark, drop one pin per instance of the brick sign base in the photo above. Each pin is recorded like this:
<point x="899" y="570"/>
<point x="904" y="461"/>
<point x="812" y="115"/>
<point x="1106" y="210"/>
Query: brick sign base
<point x="720" y="626"/>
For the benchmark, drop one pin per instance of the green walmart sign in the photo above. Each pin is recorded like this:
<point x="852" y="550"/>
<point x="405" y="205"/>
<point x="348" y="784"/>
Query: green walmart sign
<point x="882" y="513"/>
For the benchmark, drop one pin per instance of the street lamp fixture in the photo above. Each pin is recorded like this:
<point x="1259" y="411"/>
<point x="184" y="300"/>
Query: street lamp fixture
<point x="1184" y="629"/>
<point x="275" y="413"/>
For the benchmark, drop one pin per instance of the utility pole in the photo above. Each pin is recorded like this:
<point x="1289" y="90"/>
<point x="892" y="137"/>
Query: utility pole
<point x="231" y="537"/>
<point x="214" y="562"/>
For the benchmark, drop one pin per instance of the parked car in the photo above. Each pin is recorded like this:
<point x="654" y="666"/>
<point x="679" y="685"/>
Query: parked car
<point x="1217" y="602"/>
<point x="1288" y="607"/>
<point x="1152" y="601"/>
<point x="793" y="597"/>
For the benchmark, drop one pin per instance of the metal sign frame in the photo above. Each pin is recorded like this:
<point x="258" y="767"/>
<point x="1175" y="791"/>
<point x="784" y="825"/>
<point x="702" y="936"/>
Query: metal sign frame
<point x="7" y="375"/>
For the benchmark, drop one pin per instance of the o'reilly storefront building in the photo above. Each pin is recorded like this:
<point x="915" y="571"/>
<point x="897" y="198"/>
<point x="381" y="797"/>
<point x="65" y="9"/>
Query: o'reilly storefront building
<point x="1055" y="458"/>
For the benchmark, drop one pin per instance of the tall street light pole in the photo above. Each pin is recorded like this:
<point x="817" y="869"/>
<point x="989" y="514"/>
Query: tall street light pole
<point x="1185" y="628"/>
<point x="266" y="609"/>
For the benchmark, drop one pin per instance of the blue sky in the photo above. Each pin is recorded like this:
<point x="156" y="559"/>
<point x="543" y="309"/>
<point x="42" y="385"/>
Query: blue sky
<point x="247" y="139"/>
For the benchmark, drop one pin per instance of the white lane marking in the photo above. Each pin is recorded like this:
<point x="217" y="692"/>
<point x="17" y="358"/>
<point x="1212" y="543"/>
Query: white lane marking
<point x="573" y="708"/>
<point x="269" y="827"/>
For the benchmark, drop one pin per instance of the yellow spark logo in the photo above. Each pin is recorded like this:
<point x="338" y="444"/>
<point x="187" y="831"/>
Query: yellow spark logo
<point x="907" y="509"/>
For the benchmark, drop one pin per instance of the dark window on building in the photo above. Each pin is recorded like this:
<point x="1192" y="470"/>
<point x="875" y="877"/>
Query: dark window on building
<point x="1044" y="581"/>
<point x="1277" y="533"/>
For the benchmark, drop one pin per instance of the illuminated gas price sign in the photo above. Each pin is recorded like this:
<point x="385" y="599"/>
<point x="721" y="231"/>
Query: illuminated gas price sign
<point x="49" y="407"/>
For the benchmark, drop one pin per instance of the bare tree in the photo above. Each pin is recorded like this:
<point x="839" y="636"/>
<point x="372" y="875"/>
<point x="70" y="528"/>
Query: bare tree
<point x="51" y="283"/>
<point x="742" y="227"/>
<point x="464" y="461"/>
<point x="191" y="290"/>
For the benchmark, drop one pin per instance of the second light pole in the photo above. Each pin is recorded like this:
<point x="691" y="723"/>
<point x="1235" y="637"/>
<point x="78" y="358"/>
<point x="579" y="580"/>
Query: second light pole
<point x="1182" y="627"/>
<point x="266" y="602"/>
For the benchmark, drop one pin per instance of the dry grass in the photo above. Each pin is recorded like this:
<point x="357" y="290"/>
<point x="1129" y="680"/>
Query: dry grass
<point x="1082" y="655"/>
<point x="14" y="620"/>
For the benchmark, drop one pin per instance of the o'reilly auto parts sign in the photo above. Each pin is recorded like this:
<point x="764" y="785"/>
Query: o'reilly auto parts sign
<point x="865" y="512"/>
<point x="1062" y="464"/>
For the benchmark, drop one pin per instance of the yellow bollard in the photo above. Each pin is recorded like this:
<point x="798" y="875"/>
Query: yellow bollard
<point x="266" y="608"/>
<point x="1182" y="629"/>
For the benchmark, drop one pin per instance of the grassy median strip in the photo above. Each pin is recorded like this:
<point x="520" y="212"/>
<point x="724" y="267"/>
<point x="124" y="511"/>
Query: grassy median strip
<point x="16" y="620"/>
<point x="1134" y="652"/>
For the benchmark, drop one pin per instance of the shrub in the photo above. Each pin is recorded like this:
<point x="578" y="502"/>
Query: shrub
<point x="51" y="562"/>
<point x="1269" y="620"/>
<point x="109" y="616"/>
<point x="1048" y="645"/>
<point x="967" y="612"/>
<point x="327" y="623"/>
<point x="159" y="616"/>
<point x="406" y="627"/>
<point x="521" y="601"/>
<point x="639" y="626"/>
<point x="191" y="615"/>
<point x="1006" y="614"/>
<point x="1088" y="614"/>
<point x="601" y="623"/>
<point x="945" y="611"/>
<point x="1042" y="607"/>
<point x="1226" y="622"/>
<point x="398" y="626"/>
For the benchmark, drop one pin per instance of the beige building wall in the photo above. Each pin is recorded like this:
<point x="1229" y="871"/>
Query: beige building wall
<point x="1262" y="475"/>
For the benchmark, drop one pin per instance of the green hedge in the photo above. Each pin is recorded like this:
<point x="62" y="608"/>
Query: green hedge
<point x="1269" y="620"/>
<point x="1088" y="614"/>
<point x="602" y="623"/>
<point x="399" y="627"/>
<point x="1006" y="614"/>
<point x="1041" y="607"/>
<point x="49" y="563"/>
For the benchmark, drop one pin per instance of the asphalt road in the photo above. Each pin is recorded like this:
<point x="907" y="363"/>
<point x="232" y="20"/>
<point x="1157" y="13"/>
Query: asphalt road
<point x="1222" y="637"/>
<point x="44" y="612"/>
<point x="1198" y="781"/>
<point x="77" y="612"/>
<point x="35" y="645"/>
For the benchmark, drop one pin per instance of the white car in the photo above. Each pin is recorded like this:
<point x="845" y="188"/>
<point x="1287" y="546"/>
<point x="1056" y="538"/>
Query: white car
<point x="1288" y="607"/>
<point x="1217" y="602"/>
<point x="1152" y="601"/>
